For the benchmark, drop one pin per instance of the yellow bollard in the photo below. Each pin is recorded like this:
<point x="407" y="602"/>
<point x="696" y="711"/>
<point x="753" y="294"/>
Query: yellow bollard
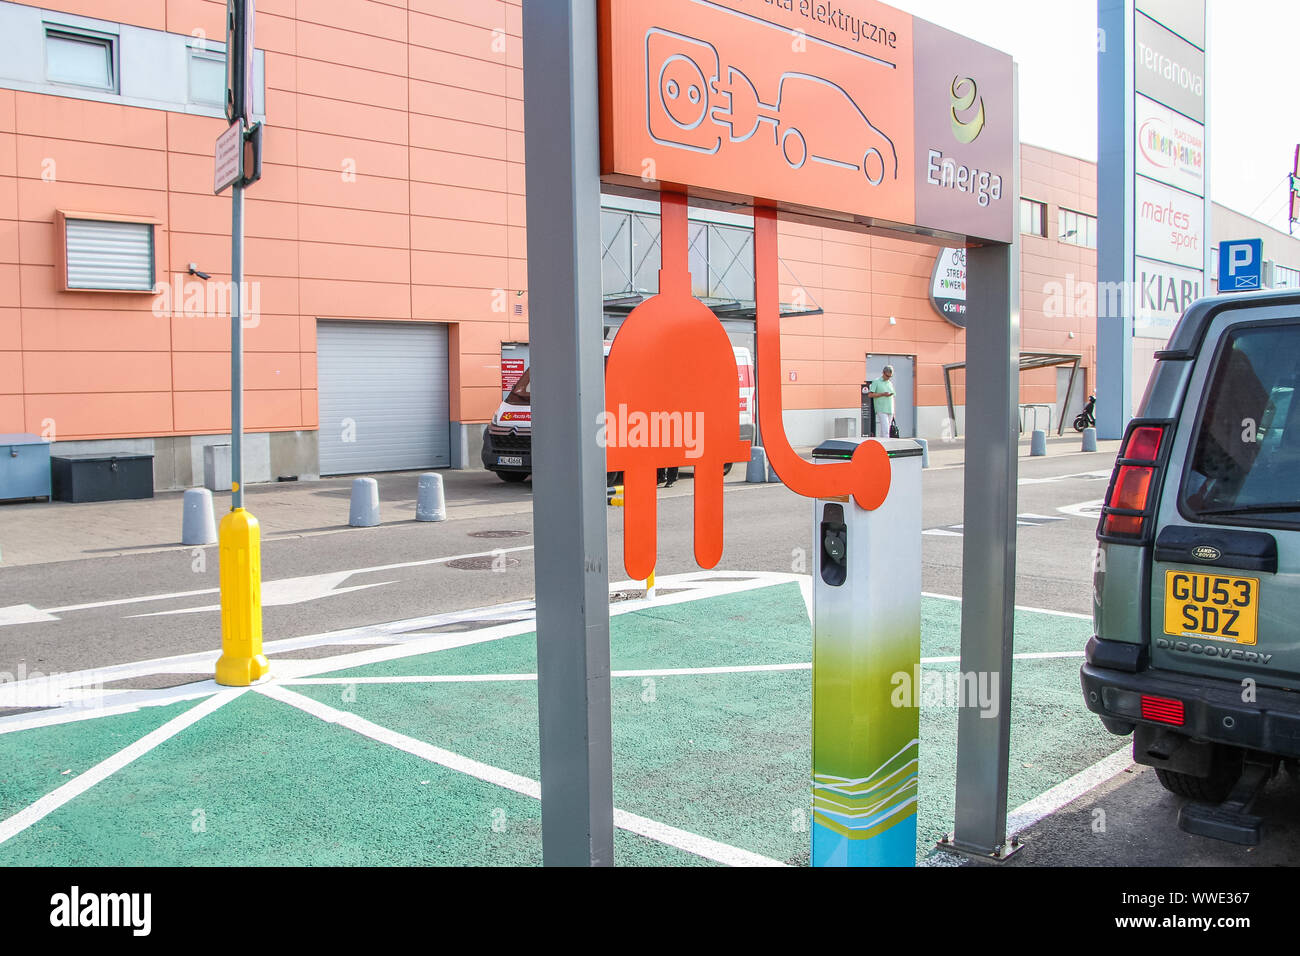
<point x="240" y="549"/>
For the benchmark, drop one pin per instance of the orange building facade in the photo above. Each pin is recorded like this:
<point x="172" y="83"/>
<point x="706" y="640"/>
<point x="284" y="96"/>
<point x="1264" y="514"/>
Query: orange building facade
<point x="386" y="244"/>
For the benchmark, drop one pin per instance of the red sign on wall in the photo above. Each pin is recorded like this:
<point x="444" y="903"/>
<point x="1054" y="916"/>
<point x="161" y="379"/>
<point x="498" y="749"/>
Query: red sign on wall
<point x="512" y="370"/>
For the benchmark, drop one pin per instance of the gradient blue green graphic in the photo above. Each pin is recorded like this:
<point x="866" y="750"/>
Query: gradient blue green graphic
<point x="866" y="648"/>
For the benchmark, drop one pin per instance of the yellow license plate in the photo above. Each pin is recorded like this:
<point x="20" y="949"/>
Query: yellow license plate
<point x="1213" y="606"/>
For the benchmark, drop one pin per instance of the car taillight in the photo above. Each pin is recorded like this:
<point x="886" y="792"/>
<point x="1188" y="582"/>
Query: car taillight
<point x="1163" y="709"/>
<point x="1129" y="499"/>
<point x="1131" y="491"/>
<point x="1144" y="442"/>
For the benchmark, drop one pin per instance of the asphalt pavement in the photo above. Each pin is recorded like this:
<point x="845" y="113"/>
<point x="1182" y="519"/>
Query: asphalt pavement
<point x="139" y="604"/>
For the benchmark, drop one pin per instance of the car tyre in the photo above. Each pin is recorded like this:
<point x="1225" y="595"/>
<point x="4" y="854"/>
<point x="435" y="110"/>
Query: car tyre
<point x="1225" y="770"/>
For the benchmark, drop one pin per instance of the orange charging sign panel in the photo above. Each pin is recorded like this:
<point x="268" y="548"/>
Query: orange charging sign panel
<point x="850" y="107"/>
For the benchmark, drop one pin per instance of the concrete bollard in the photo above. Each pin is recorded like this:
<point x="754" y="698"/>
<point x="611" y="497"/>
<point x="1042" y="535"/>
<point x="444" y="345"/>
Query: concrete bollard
<point x="430" y="505"/>
<point x="1038" y="442"/>
<point x="197" y="523"/>
<point x="364" y="512"/>
<point x="1090" y="439"/>
<point x="925" y="451"/>
<point x="756" y="470"/>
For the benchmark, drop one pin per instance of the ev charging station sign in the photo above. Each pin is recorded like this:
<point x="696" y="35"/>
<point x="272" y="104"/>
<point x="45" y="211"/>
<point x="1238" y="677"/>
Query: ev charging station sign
<point x="864" y="117"/>
<point x="870" y="113"/>
<point x="858" y="117"/>
<point x="1241" y="265"/>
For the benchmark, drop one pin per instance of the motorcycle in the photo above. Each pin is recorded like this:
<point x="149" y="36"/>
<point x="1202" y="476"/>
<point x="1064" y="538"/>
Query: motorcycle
<point x="1087" y="418"/>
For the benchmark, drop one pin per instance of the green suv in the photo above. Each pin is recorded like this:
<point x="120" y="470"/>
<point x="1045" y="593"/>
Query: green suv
<point x="1196" y="584"/>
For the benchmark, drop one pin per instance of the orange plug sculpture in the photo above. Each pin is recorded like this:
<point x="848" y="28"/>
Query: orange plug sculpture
<point x="671" y="400"/>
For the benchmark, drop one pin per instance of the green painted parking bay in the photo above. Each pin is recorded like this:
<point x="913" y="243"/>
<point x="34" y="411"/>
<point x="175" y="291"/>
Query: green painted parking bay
<point x="378" y="765"/>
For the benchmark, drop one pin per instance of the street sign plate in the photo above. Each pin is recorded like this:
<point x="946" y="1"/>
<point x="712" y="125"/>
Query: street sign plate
<point x="228" y="158"/>
<point x="1241" y="265"/>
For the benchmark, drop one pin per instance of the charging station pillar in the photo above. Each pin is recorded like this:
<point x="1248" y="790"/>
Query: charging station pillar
<point x="867" y="667"/>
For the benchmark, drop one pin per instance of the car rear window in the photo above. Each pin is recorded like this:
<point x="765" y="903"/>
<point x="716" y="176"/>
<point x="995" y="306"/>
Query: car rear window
<point x="1245" y="461"/>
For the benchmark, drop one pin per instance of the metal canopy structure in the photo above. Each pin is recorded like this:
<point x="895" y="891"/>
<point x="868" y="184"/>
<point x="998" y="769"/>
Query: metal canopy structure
<point x="622" y="303"/>
<point x="1028" y="360"/>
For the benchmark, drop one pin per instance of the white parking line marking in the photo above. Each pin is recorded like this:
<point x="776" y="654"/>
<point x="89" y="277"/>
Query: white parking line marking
<point x="477" y="678"/>
<point x="1019" y="607"/>
<point x="662" y="832"/>
<point x="47" y="804"/>
<point x="651" y="672"/>
<point x="1048" y="802"/>
<point x="1100" y="473"/>
<point x="393" y="640"/>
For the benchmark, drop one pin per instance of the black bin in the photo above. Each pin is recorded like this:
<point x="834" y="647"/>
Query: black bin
<point x="101" y="477"/>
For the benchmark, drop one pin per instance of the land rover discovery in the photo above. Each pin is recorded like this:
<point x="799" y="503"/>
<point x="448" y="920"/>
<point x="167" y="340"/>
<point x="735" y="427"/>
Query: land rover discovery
<point x="1196" y="580"/>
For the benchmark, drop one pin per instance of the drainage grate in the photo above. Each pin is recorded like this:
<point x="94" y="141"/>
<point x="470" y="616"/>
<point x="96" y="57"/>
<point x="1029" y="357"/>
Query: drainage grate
<point x="485" y="563"/>
<point x="499" y="534"/>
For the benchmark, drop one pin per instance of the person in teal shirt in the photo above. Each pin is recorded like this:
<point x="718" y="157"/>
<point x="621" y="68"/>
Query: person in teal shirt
<point x="881" y="392"/>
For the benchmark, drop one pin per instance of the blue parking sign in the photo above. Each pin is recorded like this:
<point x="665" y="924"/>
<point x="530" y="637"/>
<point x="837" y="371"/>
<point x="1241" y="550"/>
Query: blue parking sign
<point x="1241" y="265"/>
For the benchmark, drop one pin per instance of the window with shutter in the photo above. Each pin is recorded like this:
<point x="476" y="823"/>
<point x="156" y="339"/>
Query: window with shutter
<point x="107" y="253"/>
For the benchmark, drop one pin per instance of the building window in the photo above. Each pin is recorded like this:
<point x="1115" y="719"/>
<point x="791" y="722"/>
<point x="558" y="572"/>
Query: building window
<point x="207" y="78"/>
<point x="106" y="253"/>
<point x="81" y="59"/>
<point x="1033" y="217"/>
<point x="1285" y="277"/>
<point x="1077" y="228"/>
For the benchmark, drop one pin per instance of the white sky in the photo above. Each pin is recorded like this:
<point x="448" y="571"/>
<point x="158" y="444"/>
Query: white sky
<point x="1254" y="125"/>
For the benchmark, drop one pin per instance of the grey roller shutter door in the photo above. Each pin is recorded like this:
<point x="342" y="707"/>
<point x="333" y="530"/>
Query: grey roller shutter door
<point x="383" y="395"/>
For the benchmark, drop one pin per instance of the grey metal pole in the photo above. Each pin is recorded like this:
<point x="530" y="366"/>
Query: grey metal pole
<point x="1114" y="372"/>
<point x="237" y="340"/>
<point x="562" y="172"/>
<point x="988" y="587"/>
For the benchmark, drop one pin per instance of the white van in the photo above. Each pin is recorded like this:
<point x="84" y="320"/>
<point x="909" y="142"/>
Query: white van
<point x="507" y="439"/>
